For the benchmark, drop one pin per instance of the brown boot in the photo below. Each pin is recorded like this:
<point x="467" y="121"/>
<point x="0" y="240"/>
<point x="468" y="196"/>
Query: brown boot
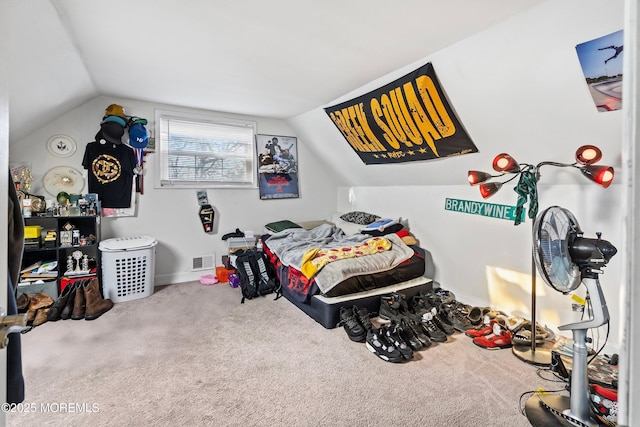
<point x="95" y="306"/>
<point x="41" y="316"/>
<point x="36" y="302"/>
<point x="23" y="303"/>
<point x="79" y="302"/>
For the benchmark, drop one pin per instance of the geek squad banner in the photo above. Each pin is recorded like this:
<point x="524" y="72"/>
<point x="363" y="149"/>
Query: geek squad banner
<point x="408" y="119"/>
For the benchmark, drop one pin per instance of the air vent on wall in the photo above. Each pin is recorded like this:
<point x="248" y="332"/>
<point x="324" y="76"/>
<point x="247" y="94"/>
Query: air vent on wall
<point x="204" y="262"/>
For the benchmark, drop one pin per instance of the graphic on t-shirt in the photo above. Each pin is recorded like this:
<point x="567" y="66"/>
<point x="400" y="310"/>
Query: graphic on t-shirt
<point x="106" y="168"/>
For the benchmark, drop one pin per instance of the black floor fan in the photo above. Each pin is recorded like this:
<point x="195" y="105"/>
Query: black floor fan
<point x="566" y="259"/>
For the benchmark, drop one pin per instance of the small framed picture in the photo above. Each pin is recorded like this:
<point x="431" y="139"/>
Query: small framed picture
<point x="66" y="237"/>
<point x="277" y="166"/>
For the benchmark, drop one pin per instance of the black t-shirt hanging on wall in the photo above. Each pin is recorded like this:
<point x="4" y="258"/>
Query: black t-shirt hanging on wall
<point x="110" y="168"/>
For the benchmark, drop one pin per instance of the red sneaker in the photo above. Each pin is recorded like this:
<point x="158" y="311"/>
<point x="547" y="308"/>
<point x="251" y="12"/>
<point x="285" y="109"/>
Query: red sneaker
<point x="485" y="330"/>
<point x="499" y="339"/>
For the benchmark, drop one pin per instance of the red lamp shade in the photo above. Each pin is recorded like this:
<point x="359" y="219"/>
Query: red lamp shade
<point x="488" y="190"/>
<point x="602" y="175"/>
<point x="505" y="163"/>
<point x="588" y="154"/>
<point x="477" y="177"/>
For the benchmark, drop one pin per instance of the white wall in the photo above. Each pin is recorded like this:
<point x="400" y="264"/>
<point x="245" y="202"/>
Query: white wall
<point x="171" y="215"/>
<point x="517" y="87"/>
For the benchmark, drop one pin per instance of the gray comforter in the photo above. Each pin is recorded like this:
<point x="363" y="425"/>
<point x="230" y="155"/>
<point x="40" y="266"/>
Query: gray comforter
<point x="291" y="244"/>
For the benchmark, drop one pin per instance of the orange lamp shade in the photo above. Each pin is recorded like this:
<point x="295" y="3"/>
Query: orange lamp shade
<point x="488" y="190"/>
<point x="478" y="177"/>
<point x="505" y="163"/>
<point x="588" y="154"/>
<point x="601" y="175"/>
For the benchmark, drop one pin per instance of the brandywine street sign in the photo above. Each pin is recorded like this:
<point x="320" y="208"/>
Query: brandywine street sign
<point x="481" y="208"/>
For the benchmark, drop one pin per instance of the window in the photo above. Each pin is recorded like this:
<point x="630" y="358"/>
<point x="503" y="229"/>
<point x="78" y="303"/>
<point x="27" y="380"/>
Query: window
<point x="200" y="151"/>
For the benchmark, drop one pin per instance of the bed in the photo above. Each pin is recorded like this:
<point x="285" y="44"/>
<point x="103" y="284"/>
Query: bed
<point x="346" y="280"/>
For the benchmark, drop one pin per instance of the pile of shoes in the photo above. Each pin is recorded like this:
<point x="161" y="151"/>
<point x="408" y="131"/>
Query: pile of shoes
<point x="383" y="341"/>
<point x="453" y="314"/>
<point x="502" y="331"/>
<point x="412" y="324"/>
<point x="491" y="336"/>
<point x="408" y="325"/>
<point x="36" y="307"/>
<point x="80" y="300"/>
<point x="420" y="321"/>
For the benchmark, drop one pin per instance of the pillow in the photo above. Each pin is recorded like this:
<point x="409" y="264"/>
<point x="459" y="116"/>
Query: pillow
<point x="310" y="225"/>
<point x="358" y="217"/>
<point x="278" y="226"/>
<point x="349" y="228"/>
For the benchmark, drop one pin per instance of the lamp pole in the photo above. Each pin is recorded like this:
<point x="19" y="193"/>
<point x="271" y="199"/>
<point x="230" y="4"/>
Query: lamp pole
<point x="536" y="356"/>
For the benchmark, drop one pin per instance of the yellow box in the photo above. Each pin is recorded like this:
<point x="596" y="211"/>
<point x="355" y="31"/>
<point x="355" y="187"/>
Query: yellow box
<point x="32" y="231"/>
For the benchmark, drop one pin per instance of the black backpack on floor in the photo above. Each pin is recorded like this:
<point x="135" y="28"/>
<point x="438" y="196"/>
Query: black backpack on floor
<point x="257" y="275"/>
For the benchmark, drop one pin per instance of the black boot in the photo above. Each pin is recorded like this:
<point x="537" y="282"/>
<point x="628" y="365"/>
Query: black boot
<point x="68" y="308"/>
<point x="56" y="310"/>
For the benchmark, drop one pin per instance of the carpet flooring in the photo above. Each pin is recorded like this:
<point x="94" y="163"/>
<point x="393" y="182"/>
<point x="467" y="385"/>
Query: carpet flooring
<point x="192" y="355"/>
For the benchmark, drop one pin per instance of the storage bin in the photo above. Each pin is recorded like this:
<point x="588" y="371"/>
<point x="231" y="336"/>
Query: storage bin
<point x="32" y="231"/>
<point x="222" y="274"/>
<point x="128" y="265"/>
<point x="49" y="287"/>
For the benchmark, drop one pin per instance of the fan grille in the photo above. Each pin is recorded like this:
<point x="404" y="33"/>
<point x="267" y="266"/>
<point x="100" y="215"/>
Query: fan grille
<point x="553" y="230"/>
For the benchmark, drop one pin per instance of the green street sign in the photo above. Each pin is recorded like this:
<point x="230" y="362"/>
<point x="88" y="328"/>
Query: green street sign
<point x="481" y="208"/>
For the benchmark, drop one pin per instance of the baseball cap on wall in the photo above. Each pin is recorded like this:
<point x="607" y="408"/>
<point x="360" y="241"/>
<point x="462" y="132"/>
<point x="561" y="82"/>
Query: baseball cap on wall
<point x="114" y="110"/>
<point x="138" y="137"/>
<point x="111" y="132"/>
<point x="122" y="122"/>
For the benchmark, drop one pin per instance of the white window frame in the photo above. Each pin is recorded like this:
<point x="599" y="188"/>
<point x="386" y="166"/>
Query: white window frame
<point x="162" y="149"/>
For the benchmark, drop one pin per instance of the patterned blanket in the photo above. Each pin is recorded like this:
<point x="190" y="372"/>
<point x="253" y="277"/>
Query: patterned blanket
<point x="291" y="245"/>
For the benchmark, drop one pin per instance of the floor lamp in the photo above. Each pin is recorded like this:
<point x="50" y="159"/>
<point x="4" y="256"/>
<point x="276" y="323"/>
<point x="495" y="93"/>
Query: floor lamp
<point x="529" y="174"/>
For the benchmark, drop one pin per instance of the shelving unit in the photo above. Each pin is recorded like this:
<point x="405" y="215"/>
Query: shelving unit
<point x="87" y="225"/>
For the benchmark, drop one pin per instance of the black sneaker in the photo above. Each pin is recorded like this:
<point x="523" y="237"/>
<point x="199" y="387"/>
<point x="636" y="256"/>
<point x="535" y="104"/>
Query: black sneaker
<point x="395" y="308"/>
<point x="416" y="330"/>
<point x="409" y="337"/>
<point x="421" y="305"/>
<point x="348" y="320"/>
<point x="433" y="331"/>
<point x="363" y="316"/>
<point x="457" y="316"/>
<point x="447" y="328"/>
<point x="378" y="344"/>
<point x="439" y="296"/>
<point x="390" y="308"/>
<point x="392" y="333"/>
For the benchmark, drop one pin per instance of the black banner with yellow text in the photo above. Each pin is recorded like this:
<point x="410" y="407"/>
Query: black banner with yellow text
<point x="408" y="119"/>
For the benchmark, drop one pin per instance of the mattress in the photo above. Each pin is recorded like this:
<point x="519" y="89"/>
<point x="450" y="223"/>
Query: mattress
<point x="326" y="310"/>
<point x="363" y="290"/>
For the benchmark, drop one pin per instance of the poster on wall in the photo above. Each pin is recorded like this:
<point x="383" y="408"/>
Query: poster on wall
<point x="277" y="166"/>
<point x="601" y="62"/>
<point x="406" y="120"/>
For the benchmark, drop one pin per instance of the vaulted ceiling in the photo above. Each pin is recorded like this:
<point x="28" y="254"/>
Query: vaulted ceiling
<point x="276" y="58"/>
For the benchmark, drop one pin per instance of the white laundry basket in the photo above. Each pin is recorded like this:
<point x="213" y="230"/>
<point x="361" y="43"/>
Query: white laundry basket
<point x="128" y="265"/>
